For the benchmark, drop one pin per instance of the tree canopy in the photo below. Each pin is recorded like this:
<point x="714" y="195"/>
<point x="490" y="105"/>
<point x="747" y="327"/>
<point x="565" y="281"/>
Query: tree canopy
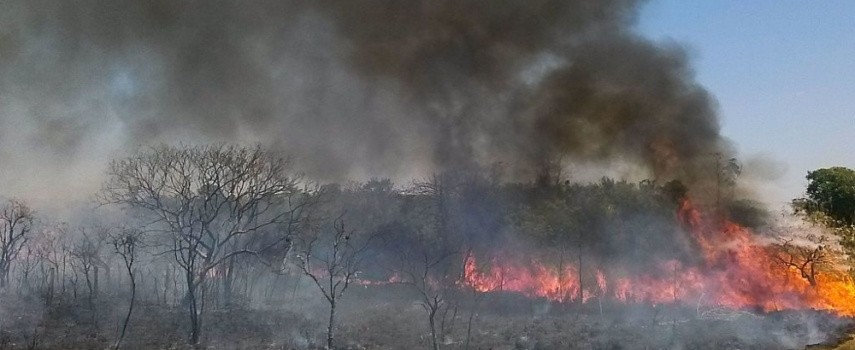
<point x="831" y="192"/>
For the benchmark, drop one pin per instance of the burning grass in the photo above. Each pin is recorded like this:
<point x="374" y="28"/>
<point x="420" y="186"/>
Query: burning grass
<point x="737" y="271"/>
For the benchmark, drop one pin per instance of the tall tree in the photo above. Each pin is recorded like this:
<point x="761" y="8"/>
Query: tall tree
<point x="212" y="203"/>
<point x="830" y="201"/>
<point x="86" y="254"/>
<point x="427" y="253"/>
<point x="332" y="258"/>
<point x="16" y="222"/>
<point x="830" y="191"/>
<point x="125" y="243"/>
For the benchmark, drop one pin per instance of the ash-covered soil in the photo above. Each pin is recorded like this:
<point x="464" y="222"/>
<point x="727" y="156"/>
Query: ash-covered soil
<point x="637" y="328"/>
<point x="397" y="322"/>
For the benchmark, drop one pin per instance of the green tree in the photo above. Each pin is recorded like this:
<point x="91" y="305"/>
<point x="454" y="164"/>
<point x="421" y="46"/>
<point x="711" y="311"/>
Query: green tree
<point x="831" y="192"/>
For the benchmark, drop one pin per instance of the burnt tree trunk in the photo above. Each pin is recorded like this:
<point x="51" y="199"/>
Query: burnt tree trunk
<point x="228" y="279"/>
<point x="4" y="273"/>
<point x="95" y="282"/>
<point x="331" y="326"/>
<point x="193" y="308"/>
<point x="130" y="308"/>
<point x="432" y="321"/>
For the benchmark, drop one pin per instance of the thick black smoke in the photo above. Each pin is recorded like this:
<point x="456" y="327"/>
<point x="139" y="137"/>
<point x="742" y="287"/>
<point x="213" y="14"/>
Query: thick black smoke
<point x="350" y="88"/>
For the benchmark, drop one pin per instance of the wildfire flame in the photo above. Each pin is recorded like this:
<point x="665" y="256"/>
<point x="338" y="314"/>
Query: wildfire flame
<point x="737" y="271"/>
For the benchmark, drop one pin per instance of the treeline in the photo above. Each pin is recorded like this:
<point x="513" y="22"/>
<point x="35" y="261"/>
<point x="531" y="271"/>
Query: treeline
<point x="203" y="228"/>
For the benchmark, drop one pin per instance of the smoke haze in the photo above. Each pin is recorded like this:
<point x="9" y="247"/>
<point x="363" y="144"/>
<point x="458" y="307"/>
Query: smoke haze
<point x="351" y="89"/>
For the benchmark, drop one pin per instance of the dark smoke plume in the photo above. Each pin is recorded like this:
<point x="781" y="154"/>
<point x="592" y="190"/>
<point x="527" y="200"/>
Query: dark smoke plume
<point x="350" y="88"/>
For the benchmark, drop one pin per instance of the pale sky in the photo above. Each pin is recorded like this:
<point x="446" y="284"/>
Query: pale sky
<point x="783" y="72"/>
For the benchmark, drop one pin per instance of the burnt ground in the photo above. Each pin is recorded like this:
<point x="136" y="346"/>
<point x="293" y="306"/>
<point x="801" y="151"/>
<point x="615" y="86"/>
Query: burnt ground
<point x="395" y="321"/>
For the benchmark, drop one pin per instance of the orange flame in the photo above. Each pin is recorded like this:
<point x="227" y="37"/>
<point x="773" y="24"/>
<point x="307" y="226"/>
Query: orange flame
<point x="737" y="272"/>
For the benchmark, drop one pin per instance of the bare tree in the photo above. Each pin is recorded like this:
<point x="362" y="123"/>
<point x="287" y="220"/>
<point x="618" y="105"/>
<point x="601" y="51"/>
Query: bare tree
<point x="427" y="257"/>
<point x="125" y="242"/>
<point x="27" y="262"/>
<point x="807" y="257"/>
<point x="801" y="246"/>
<point x="428" y="269"/>
<point x="212" y="203"/>
<point x="52" y="251"/>
<point x="87" y="254"/>
<point x="16" y="222"/>
<point x="332" y="258"/>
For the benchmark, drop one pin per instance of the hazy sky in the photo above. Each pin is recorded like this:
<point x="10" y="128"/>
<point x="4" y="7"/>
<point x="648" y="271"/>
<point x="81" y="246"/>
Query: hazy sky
<point x="783" y="73"/>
